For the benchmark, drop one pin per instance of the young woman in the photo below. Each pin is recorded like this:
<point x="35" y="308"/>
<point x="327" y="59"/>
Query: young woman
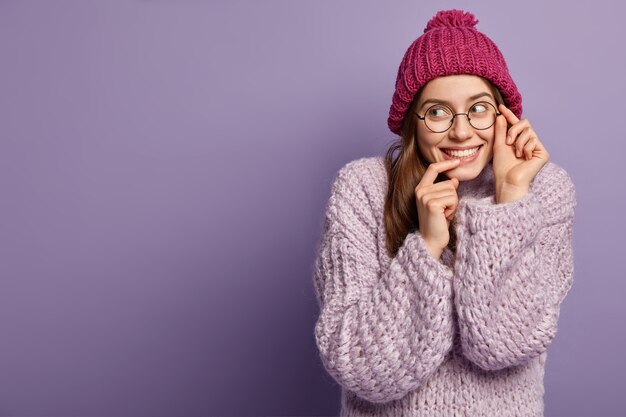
<point x="442" y="266"/>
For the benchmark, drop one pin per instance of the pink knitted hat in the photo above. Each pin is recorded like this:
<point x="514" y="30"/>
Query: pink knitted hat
<point x="450" y="45"/>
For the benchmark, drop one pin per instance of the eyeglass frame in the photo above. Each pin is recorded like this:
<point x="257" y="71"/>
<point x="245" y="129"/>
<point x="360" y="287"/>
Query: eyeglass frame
<point x="456" y="114"/>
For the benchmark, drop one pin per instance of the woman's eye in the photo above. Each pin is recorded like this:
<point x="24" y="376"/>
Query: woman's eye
<point x="478" y="108"/>
<point x="437" y="112"/>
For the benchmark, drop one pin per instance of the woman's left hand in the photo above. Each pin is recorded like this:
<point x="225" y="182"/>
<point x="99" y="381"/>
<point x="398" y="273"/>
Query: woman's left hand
<point x="516" y="159"/>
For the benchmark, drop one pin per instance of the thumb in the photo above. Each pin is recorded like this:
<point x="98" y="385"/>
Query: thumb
<point x="455" y="182"/>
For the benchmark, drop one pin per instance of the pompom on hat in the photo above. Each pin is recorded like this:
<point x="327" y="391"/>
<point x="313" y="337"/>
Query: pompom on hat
<point x="450" y="45"/>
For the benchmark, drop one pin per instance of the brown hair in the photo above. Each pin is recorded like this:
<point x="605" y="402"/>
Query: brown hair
<point x="404" y="172"/>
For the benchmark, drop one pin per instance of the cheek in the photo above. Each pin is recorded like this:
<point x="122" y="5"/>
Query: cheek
<point x="489" y="151"/>
<point x="428" y="150"/>
<point x="489" y="141"/>
<point x="426" y="142"/>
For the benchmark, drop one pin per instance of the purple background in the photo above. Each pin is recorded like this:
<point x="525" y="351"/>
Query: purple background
<point x="164" y="170"/>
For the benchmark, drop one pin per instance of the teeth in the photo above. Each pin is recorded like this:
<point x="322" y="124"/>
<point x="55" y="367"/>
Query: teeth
<point x="467" y="152"/>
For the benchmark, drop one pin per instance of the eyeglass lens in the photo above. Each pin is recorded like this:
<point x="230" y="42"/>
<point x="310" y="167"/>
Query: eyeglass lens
<point x="482" y="115"/>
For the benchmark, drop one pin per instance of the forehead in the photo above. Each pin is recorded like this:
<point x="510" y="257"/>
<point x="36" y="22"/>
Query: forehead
<point x="454" y="88"/>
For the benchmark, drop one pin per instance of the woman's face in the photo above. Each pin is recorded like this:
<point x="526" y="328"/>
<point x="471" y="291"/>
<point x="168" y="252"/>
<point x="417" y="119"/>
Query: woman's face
<point x="456" y="91"/>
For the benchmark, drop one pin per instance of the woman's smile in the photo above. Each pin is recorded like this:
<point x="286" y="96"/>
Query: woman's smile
<point x="464" y="154"/>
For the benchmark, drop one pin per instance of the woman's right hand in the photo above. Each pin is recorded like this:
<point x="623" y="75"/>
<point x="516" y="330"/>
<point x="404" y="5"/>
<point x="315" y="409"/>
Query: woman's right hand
<point x="436" y="206"/>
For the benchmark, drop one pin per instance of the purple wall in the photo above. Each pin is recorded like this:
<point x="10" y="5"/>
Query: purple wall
<point x="164" y="170"/>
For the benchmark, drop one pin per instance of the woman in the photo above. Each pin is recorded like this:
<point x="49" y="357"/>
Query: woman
<point x="442" y="267"/>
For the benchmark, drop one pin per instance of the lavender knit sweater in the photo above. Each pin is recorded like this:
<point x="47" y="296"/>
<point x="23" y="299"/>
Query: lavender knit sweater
<point x="466" y="335"/>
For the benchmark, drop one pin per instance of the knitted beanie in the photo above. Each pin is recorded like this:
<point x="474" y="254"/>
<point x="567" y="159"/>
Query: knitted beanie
<point x="450" y="45"/>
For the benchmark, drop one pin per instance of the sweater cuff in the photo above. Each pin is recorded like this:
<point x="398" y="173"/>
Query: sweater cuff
<point x="517" y="222"/>
<point x="423" y="260"/>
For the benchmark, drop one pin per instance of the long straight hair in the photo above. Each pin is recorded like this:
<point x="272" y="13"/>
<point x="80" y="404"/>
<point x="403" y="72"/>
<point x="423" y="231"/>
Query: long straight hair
<point x="405" y="167"/>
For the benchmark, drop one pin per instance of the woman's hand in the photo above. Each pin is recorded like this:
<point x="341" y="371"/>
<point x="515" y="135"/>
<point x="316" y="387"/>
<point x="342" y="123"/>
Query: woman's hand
<point x="518" y="156"/>
<point x="436" y="206"/>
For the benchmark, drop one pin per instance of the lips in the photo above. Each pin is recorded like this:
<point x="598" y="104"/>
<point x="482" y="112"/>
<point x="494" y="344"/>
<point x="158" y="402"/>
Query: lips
<point x="465" y="154"/>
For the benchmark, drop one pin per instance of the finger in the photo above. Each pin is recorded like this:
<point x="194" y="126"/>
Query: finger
<point x="521" y="141"/>
<point x="539" y="146"/>
<point x="500" y="131"/>
<point x="435" y="169"/>
<point x="451" y="185"/>
<point x="529" y="147"/>
<point x="450" y="213"/>
<point x="539" y="154"/>
<point x="439" y="205"/>
<point x="515" y="130"/>
<point x="508" y="114"/>
<point x="435" y="195"/>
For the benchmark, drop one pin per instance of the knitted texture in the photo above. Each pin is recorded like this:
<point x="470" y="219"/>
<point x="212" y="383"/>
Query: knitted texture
<point x="450" y="45"/>
<point x="463" y="335"/>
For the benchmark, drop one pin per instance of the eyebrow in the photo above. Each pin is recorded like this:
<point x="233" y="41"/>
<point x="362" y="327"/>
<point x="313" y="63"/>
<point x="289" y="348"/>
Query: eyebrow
<point x="474" y="97"/>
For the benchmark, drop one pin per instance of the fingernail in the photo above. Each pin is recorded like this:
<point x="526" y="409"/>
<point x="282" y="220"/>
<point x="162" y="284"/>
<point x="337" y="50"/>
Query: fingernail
<point x="508" y="140"/>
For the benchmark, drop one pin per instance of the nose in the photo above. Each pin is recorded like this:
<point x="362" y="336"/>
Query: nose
<point x="460" y="129"/>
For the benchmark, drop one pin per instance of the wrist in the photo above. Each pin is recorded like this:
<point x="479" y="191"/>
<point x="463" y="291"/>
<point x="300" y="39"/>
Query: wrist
<point x="507" y="193"/>
<point x="434" y="250"/>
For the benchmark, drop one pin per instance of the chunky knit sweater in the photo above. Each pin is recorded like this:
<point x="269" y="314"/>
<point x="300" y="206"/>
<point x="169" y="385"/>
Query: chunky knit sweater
<point x="465" y="335"/>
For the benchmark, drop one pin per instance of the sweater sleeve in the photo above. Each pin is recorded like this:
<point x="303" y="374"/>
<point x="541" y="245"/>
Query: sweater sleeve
<point x="381" y="332"/>
<point x="514" y="269"/>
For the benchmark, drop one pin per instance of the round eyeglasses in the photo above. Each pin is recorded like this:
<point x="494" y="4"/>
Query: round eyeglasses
<point x="439" y="117"/>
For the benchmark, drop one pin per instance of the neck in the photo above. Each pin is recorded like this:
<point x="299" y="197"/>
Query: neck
<point x="480" y="186"/>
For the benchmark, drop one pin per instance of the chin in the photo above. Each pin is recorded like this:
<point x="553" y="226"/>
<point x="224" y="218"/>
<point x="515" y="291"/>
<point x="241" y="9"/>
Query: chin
<point x="463" y="173"/>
